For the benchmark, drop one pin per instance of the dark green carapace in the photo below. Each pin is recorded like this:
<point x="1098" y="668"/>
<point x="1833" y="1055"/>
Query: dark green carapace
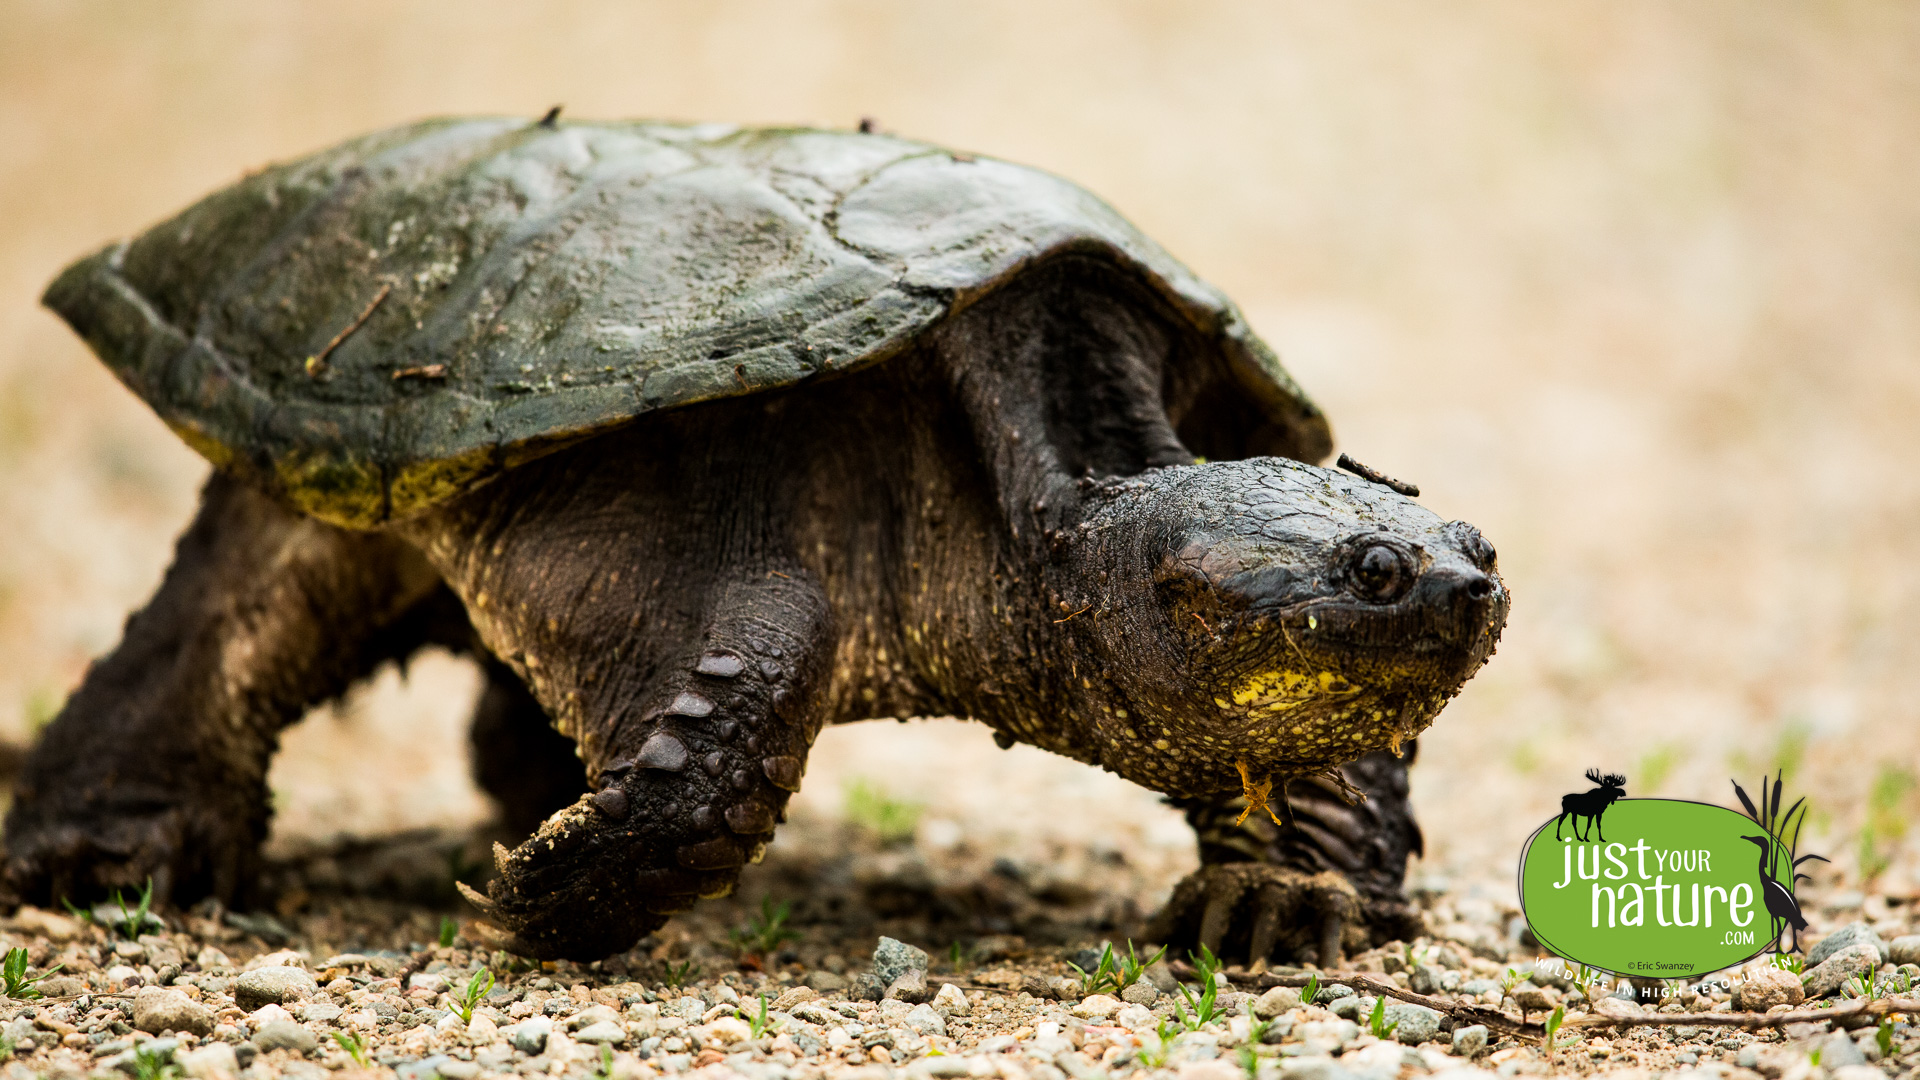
<point x="537" y="285"/>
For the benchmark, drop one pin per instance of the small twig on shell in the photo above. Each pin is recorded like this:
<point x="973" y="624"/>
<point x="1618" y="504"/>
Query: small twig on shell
<point x="317" y="363"/>
<point x="1364" y="472"/>
<point x="1069" y="618"/>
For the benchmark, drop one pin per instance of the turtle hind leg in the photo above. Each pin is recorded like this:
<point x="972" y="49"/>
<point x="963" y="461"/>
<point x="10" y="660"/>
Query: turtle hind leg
<point x="155" y="769"/>
<point x="530" y="769"/>
<point x="1328" y="885"/>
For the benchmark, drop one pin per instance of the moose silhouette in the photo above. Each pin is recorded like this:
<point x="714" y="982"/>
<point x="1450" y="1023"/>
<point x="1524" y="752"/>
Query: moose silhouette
<point x="1590" y="804"/>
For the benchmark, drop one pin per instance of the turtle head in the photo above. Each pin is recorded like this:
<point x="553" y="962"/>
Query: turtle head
<point x="1298" y="617"/>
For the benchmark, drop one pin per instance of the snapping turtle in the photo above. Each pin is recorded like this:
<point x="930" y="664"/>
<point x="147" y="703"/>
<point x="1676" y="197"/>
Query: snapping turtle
<point x="700" y="438"/>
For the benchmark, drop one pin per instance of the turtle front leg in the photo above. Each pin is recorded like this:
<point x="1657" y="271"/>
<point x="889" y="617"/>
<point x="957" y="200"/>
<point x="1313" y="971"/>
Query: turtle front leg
<point x="689" y="771"/>
<point x="1329" y="885"/>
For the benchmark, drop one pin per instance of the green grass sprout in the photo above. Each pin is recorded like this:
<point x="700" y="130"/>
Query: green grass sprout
<point x="1201" y="1009"/>
<point x="470" y="995"/>
<point x="1378" y="1023"/>
<point x="135" y="920"/>
<point x="354" y="1045"/>
<point x="766" y="932"/>
<point x="20" y="986"/>
<point x="759" y="1026"/>
<point x="1114" y="973"/>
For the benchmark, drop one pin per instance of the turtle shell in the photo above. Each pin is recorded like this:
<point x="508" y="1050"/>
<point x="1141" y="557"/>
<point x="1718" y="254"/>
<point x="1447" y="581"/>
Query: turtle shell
<point x="376" y="328"/>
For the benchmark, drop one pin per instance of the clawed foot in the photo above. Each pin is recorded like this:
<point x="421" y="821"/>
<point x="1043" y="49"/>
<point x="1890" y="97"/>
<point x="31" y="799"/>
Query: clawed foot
<point x="80" y="854"/>
<point x="608" y="870"/>
<point x="1259" y="912"/>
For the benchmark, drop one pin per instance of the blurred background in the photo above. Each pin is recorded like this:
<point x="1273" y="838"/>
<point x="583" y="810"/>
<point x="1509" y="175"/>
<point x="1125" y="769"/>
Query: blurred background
<point x="1635" y="287"/>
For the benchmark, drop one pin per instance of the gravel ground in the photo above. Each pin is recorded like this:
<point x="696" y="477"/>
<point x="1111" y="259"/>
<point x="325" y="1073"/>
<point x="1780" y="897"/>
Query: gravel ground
<point x="345" y="977"/>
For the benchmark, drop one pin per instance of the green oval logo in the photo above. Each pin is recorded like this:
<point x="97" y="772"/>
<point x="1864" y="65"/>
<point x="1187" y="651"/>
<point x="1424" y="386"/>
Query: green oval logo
<point x="1660" y="888"/>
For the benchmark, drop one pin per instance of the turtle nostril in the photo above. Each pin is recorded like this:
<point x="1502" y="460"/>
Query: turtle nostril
<point x="1479" y="588"/>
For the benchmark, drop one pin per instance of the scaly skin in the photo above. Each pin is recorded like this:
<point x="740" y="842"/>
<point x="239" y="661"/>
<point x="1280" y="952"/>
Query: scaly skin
<point x="1010" y="526"/>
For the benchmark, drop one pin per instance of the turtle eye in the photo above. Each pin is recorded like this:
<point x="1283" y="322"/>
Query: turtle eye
<point x="1379" y="573"/>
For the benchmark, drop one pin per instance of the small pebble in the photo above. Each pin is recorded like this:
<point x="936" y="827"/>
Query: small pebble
<point x="285" y="1035"/>
<point x="272" y="985"/>
<point x="1858" y="933"/>
<point x="1470" y="1041"/>
<point x="893" y="958"/>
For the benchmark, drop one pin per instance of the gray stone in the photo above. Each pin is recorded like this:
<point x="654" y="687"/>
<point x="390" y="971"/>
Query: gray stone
<point x="606" y="1031"/>
<point x="1352" y="1007"/>
<point x="1425" y="980"/>
<point x="910" y="987"/>
<point x="1276" y="1001"/>
<point x="530" y="1036"/>
<point x="893" y="958"/>
<point x="1904" y="949"/>
<point x="272" y="986"/>
<point x="425" y="1068"/>
<point x="1140" y="993"/>
<point x="1470" y="1041"/>
<point x="867" y="987"/>
<point x="1479" y="986"/>
<point x="925" y="1020"/>
<point x="1829" y="976"/>
<point x="1838" y="1051"/>
<point x="591" y="1015"/>
<point x="826" y="982"/>
<point x="1857" y="933"/>
<point x="323" y="1012"/>
<point x="157" y="1011"/>
<point x="1414" y="1024"/>
<point x="455" y="1069"/>
<point x="1328" y="994"/>
<point x="285" y="1035"/>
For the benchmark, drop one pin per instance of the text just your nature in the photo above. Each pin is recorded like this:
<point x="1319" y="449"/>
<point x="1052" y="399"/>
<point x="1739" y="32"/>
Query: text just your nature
<point x="1626" y="904"/>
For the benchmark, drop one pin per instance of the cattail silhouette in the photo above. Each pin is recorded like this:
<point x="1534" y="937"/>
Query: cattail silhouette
<point x="1778" y="898"/>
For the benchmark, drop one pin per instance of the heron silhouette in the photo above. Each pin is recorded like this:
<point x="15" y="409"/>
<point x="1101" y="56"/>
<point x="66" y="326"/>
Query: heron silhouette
<point x="1780" y="902"/>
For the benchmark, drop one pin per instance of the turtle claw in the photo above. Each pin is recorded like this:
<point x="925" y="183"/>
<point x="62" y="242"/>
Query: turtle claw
<point x="481" y="903"/>
<point x="493" y="938"/>
<point x="1259" y="912"/>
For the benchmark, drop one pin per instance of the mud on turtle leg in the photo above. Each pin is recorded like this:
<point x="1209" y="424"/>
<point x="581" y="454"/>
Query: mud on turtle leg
<point x="688" y="686"/>
<point x="156" y="766"/>
<point x="1325" y="887"/>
